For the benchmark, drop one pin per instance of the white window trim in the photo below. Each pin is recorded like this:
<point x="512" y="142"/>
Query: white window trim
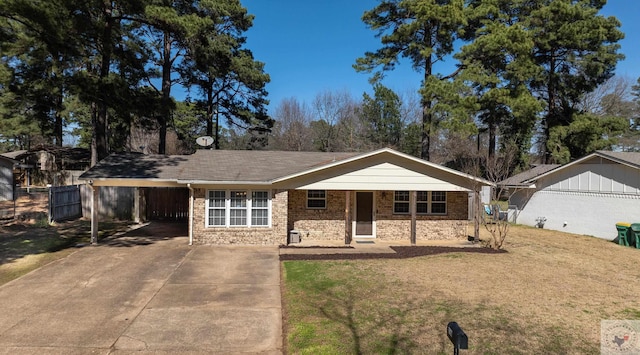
<point x="317" y="199"/>
<point x="227" y="208"/>
<point x="429" y="203"/>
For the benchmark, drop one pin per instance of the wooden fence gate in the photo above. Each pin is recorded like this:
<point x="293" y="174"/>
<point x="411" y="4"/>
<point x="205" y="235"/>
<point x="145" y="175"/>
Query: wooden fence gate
<point x="64" y="203"/>
<point x="166" y="203"/>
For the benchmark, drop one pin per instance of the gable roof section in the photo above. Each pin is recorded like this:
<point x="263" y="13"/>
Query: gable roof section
<point x="520" y="180"/>
<point x="412" y="173"/>
<point x="260" y="167"/>
<point x="631" y="159"/>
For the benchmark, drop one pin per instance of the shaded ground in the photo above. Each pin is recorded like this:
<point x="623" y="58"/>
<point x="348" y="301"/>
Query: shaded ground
<point x="27" y="245"/>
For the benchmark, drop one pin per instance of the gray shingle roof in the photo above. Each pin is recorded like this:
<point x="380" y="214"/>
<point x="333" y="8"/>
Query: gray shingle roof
<point x="252" y="165"/>
<point x="212" y="165"/>
<point x="520" y="179"/>
<point x="632" y="158"/>
<point x="137" y="166"/>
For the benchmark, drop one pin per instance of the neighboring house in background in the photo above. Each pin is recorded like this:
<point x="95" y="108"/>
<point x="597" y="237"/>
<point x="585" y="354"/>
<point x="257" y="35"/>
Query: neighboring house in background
<point x="587" y="196"/>
<point x="258" y="197"/>
<point x="50" y="165"/>
<point x="6" y="178"/>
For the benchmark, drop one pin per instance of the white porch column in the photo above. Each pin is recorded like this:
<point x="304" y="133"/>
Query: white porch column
<point x="95" y="196"/>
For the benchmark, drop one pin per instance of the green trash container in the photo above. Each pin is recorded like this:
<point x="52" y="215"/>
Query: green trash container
<point x="624" y="231"/>
<point x="635" y="230"/>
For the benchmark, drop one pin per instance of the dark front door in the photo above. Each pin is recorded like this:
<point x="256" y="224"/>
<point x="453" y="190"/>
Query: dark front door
<point x="364" y="214"/>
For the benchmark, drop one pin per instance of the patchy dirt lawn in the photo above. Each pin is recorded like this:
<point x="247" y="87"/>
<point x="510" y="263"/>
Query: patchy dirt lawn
<point x="546" y="295"/>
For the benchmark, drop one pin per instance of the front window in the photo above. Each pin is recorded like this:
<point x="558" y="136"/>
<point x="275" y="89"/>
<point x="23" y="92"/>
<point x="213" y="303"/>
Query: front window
<point x="217" y="209"/>
<point x="259" y="208"/>
<point x="238" y="208"/>
<point x="401" y="202"/>
<point x="316" y="199"/>
<point x="439" y="202"/>
<point x="427" y="202"/>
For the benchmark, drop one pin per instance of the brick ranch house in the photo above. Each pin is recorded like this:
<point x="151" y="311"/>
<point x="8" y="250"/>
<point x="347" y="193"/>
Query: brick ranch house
<point x="258" y="197"/>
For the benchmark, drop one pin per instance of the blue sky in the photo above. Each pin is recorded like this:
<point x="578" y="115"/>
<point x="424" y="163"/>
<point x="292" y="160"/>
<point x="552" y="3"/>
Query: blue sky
<point x="310" y="46"/>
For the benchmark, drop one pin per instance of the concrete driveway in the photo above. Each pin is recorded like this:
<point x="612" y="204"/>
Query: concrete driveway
<point x="147" y="295"/>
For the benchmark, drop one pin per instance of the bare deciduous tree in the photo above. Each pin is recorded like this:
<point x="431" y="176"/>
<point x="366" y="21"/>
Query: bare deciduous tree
<point x="292" y="131"/>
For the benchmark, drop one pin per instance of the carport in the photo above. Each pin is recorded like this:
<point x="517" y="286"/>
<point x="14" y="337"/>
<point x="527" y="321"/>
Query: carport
<point x="143" y="173"/>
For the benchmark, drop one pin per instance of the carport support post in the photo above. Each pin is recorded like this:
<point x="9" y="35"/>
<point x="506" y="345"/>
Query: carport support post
<point x="413" y="207"/>
<point x="347" y="224"/>
<point x="136" y="204"/>
<point x="95" y="195"/>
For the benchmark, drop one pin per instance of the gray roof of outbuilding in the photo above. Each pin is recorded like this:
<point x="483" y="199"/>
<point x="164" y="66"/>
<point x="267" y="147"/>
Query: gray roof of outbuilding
<point x="522" y="178"/>
<point x="212" y="165"/>
<point x="632" y="158"/>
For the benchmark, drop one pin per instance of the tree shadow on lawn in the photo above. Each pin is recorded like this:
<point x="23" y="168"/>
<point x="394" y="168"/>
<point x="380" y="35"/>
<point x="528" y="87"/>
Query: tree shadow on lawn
<point x="341" y="308"/>
<point x="413" y="326"/>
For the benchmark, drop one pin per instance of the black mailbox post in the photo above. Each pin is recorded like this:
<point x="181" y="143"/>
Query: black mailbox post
<point x="457" y="337"/>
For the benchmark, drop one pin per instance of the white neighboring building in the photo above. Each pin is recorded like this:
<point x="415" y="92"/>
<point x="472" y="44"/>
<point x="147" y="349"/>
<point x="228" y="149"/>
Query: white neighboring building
<point x="587" y="196"/>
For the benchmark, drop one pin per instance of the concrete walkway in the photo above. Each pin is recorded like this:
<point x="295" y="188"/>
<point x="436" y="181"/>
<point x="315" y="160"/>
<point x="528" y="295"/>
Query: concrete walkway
<point x="155" y="296"/>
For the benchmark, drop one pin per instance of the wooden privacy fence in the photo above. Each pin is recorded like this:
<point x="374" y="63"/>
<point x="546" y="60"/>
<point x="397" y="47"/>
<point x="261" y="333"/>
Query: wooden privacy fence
<point x="157" y="203"/>
<point x="167" y="203"/>
<point x="113" y="202"/>
<point x="64" y="203"/>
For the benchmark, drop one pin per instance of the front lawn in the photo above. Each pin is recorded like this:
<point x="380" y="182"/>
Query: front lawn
<point x="547" y="295"/>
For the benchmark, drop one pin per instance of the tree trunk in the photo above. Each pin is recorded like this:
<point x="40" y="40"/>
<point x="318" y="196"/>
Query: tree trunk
<point x="427" y="116"/>
<point x="551" y="110"/>
<point x="57" y="125"/>
<point x="210" y="117"/>
<point x="492" y="139"/>
<point x="165" y="115"/>
<point x="100" y="124"/>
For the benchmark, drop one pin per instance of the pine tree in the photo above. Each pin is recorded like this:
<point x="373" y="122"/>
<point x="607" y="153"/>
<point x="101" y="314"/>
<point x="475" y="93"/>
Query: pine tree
<point x="424" y="31"/>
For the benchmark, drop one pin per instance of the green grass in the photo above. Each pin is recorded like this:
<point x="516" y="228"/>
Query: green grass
<point x="337" y="308"/>
<point x="547" y="295"/>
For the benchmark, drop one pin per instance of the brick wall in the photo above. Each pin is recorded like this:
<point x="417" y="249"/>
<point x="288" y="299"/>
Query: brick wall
<point x="452" y="225"/>
<point x="326" y="224"/>
<point x="275" y="235"/>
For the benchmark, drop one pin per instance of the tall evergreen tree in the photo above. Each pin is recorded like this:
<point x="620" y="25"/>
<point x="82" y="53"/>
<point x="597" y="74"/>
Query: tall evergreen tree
<point x="575" y="49"/>
<point x="231" y="81"/>
<point x="498" y="65"/>
<point x="424" y="31"/>
<point x="381" y="114"/>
